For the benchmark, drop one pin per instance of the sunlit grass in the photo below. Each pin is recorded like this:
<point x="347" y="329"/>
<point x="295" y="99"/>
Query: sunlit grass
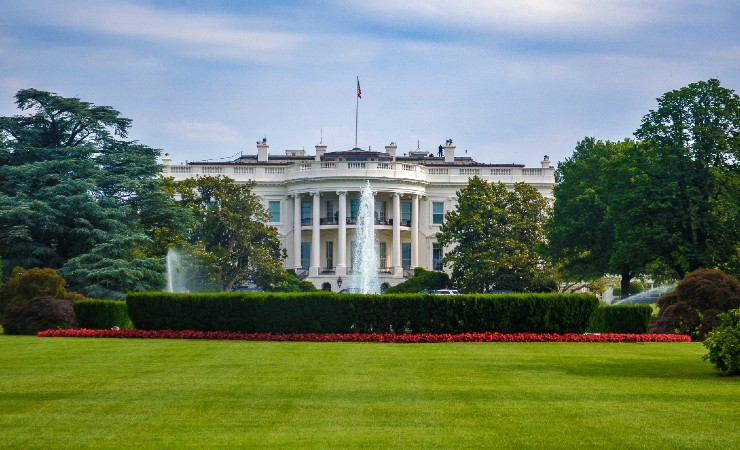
<point x="200" y="394"/>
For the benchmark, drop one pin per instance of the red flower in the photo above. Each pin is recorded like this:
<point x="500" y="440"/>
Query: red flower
<point x="369" y="337"/>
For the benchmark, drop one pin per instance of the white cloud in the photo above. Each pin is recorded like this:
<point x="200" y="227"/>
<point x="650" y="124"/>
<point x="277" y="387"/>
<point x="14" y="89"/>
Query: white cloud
<point x="206" y="35"/>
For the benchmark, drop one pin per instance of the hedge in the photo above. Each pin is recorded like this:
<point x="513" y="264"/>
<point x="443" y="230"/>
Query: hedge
<point x="102" y="314"/>
<point x="326" y="312"/>
<point x="621" y="319"/>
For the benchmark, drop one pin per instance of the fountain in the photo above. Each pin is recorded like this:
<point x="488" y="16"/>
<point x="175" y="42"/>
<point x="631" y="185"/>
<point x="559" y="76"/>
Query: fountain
<point x="176" y="281"/>
<point x="365" y="260"/>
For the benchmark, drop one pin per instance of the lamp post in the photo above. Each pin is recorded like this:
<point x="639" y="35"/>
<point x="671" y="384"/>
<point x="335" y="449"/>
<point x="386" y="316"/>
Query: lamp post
<point x="339" y="282"/>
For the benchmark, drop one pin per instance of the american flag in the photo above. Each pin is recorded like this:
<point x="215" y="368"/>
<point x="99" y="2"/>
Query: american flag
<point x="359" y="91"/>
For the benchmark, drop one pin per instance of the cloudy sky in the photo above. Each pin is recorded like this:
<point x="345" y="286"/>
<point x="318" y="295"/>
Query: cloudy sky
<point x="509" y="81"/>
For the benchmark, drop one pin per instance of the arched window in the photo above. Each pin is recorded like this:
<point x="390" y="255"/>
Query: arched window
<point x="326" y="287"/>
<point x="384" y="286"/>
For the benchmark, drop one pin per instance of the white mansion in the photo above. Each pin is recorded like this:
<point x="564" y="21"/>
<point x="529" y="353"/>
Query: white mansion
<point x="313" y="202"/>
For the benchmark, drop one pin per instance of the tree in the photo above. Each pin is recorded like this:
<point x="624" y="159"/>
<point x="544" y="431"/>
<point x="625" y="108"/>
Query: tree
<point x="685" y="181"/>
<point x="496" y="237"/>
<point x="70" y="186"/>
<point x="581" y="230"/>
<point x="230" y="234"/>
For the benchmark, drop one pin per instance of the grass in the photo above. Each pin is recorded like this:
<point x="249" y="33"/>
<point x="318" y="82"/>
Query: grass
<point x="82" y="393"/>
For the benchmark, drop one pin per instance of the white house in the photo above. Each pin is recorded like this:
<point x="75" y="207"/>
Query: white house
<point x="313" y="202"/>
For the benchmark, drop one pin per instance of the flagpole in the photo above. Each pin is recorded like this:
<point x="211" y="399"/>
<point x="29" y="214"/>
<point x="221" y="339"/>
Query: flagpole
<point x="357" y="108"/>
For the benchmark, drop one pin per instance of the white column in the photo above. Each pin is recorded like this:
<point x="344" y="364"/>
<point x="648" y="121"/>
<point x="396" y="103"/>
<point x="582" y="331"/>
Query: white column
<point x="415" y="231"/>
<point x="342" y="240"/>
<point x="396" y="246"/>
<point x="297" y="232"/>
<point x="316" y="234"/>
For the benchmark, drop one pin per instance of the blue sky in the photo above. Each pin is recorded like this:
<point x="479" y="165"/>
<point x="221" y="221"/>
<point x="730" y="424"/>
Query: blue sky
<point x="509" y="81"/>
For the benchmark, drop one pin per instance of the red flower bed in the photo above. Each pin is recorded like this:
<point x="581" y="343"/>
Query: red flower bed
<point x="370" y="337"/>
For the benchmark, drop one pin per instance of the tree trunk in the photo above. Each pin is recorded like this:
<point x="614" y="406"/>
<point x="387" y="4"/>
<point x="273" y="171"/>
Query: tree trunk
<point x="624" y="284"/>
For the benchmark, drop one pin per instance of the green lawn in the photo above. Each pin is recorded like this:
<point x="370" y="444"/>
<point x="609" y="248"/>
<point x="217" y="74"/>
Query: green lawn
<point x="77" y="393"/>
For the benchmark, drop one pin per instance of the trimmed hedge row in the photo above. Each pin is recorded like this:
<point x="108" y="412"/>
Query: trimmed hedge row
<point x="621" y="319"/>
<point x="326" y="312"/>
<point x="102" y="314"/>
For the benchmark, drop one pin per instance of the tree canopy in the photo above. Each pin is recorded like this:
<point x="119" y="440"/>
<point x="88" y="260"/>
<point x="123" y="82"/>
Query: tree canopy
<point x="685" y="181"/>
<point x="230" y="235"/>
<point x="71" y="190"/>
<point x="494" y="238"/>
<point x="663" y="205"/>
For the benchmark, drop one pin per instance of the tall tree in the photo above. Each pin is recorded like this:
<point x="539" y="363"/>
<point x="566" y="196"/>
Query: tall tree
<point x="496" y="237"/>
<point x="70" y="185"/>
<point x="687" y="176"/>
<point x="581" y="231"/>
<point x="230" y="233"/>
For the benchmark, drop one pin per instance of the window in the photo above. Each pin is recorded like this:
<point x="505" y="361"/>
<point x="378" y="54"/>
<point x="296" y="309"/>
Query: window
<point x="438" y="212"/>
<point x="306" y="213"/>
<point x="406" y="255"/>
<point x="274" y="209"/>
<point x="406" y="213"/>
<point x="382" y="211"/>
<point x="329" y="255"/>
<point x="305" y="255"/>
<point x="436" y="256"/>
<point x="382" y="255"/>
<point x="354" y="208"/>
<point x="329" y="211"/>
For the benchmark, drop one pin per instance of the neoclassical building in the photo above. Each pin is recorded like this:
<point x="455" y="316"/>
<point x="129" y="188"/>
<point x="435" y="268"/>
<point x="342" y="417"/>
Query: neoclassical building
<point x="313" y="202"/>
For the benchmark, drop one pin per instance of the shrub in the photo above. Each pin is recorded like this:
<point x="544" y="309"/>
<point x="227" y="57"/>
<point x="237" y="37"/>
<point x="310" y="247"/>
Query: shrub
<point x="422" y="280"/>
<point x="38" y="314"/>
<point x="693" y="308"/>
<point x="24" y="285"/>
<point x="326" y="312"/>
<point x="723" y="344"/>
<point x="621" y="319"/>
<point x="102" y="314"/>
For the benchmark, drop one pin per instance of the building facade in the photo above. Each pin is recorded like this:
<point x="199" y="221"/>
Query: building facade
<point x="313" y="202"/>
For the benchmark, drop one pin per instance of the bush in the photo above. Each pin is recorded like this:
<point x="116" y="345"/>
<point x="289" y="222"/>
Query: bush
<point x="621" y="319"/>
<point x="693" y="308"/>
<point x="422" y="280"/>
<point x="24" y="285"/>
<point x="723" y="344"/>
<point x="326" y="312"/>
<point x="102" y="314"/>
<point x="38" y="314"/>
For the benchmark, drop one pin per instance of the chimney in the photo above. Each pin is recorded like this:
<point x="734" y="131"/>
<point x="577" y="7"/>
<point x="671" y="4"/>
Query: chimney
<point x="263" y="150"/>
<point x="166" y="160"/>
<point x="449" y="151"/>
<point x="320" y="151"/>
<point x="391" y="150"/>
<point x="546" y="162"/>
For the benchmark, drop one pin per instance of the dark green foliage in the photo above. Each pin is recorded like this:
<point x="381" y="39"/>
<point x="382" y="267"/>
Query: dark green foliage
<point x="694" y="307"/>
<point x="621" y="319"/>
<point x="24" y="285"/>
<point x="230" y="237"/>
<point x="38" y="314"/>
<point x="76" y="198"/>
<point x="422" y="280"/>
<point x="680" y="202"/>
<point x="723" y="344"/>
<point x="327" y="312"/>
<point x="102" y="314"/>
<point x="495" y="238"/>
<point x="293" y="284"/>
